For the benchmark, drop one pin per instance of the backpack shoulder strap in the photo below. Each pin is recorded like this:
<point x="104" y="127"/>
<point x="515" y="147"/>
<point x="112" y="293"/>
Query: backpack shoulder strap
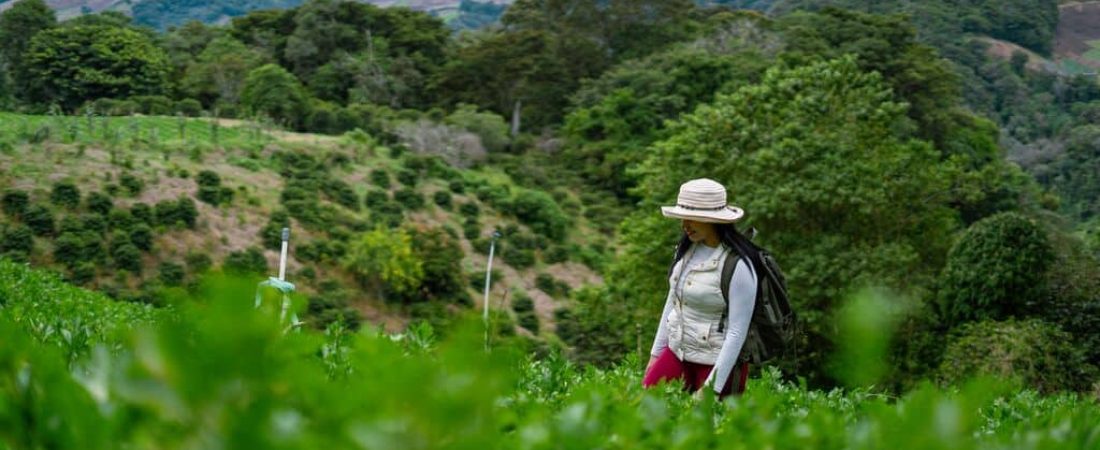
<point x="728" y="265"/>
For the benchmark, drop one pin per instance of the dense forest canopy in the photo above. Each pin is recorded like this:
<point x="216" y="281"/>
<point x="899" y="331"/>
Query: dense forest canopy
<point x="872" y="146"/>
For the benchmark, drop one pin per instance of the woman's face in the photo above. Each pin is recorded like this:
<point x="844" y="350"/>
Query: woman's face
<point x="700" y="232"/>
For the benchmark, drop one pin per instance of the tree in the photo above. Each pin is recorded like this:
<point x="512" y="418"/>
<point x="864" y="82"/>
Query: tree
<point x="18" y="25"/>
<point x="72" y="65"/>
<point x="272" y="91"/>
<point x="383" y="260"/>
<point x="219" y="72"/>
<point x="814" y="157"/>
<point x="995" y="270"/>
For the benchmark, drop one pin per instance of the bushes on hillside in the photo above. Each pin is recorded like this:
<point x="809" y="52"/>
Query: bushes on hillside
<point x="247" y="262"/>
<point x="272" y="233"/>
<point x="99" y="203"/>
<point x="525" y="311"/>
<point x="40" y="219"/>
<point x="16" y="242"/>
<point x="273" y="92"/>
<point x="14" y="202"/>
<point x="211" y="190"/>
<point x="384" y="261"/>
<point x="65" y="194"/>
<point x="181" y="211"/>
<point x="441" y="260"/>
<point x="994" y="270"/>
<point x="1040" y="355"/>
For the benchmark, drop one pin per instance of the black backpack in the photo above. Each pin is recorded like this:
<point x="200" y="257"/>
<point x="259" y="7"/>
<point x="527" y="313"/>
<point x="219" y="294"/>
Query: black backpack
<point x="773" y="326"/>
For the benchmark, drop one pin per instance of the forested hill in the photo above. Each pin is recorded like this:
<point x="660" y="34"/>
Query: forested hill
<point x="161" y="14"/>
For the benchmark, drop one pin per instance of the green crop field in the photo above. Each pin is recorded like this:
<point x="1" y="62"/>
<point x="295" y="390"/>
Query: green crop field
<point x="215" y="373"/>
<point x="108" y="130"/>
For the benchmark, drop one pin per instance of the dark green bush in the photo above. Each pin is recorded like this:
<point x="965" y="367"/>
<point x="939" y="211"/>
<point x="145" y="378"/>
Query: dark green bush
<point x="40" y="219"/>
<point x="272" y="233"/>
<point x="65" y="194"/>
<point x="469" y="209"/>
<point x="407" y="177"/>
<point x="82" y="273"/>
<point x="518" y="257"/>
<point x="551" y="286"/>
<point x="93" y="223"/>
<point x="409" y="198"/>
<point x="376" y="198"/>
<point x="153" y="105"/>
<point x="555" y="254"/>
<point x="142" y="237"/>
<point x="443" y="199"/>
<point x="197" y="262"/>
<point x="1036" y="353"/>
<point x="994" y="270"/>
<point x="457" y="186"/>
<point x="380" y="178"/>
<point x="471" y="229"/>
<point x="189" y="107"/>
<point x="539" y="211"/>
<point x="126" y="256"/>
<point x="208" y="178"/>
<point x="131" y="183"/>
<point x="15" y="202"/>
<point x="141" y="212"/>
<point x="441" y="257"/>
<point x="99" y="203"/>
<point x="497" y="195"/>
<point x="170" y="273"/>
<point x="186" y="211"/>
<point x="525" y="311"/>
<point x="247" y="262"/>
<point x="16" y="242"/>
<point x="120" y="219"/>
<point x="341" y="192"/>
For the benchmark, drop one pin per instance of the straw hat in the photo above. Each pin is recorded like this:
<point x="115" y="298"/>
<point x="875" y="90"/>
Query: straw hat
<point x="703" y="200"/>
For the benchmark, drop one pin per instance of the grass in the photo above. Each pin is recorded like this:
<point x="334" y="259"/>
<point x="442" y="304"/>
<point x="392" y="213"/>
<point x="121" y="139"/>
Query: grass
<point x="154" y="130"/>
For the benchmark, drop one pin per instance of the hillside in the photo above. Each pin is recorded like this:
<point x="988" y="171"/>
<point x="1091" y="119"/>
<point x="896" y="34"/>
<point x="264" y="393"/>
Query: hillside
<point x="1077" y="40"/>
<point x="162" y="14"/>
<point x="129" y="165"/>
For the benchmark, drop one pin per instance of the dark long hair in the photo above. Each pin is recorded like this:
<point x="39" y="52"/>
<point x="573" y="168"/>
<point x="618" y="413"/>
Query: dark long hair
<point x="728" y="235"/>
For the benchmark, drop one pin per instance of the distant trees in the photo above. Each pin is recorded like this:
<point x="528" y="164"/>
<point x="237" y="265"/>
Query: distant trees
<point x="273" y="91"/>
<point x="70" y="65"/>
<point x="218" y="74"/>
<point x="18" y="25"/>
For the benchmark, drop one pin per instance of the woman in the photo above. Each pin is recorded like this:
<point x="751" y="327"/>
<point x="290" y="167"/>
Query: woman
<point x="701" y="334"/>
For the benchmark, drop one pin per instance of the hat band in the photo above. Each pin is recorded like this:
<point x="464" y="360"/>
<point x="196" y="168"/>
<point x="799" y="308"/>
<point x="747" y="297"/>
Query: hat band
<point x="681" y="205"/>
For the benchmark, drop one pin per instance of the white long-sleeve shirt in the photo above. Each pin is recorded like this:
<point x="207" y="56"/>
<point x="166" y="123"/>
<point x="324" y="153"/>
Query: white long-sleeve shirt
<point x="740" y="303"/>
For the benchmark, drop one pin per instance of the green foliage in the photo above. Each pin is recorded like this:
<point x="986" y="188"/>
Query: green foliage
<point x="172" y="213"/>
<point x="218" y="73"/>
<point x="539" y="211"/>
<point x="490" y="127"/>
<point x="170" y="273"/>
<point x="273" y="92"/>
<point x="1037" y="354"/>
<point x="211" y="190"/>
<point x="409" y="198"/>
<point x="16" y="242"/>
<point x="18" y="25"/>
<point x="380" y="178"/>
<point x="383" y="259"/>
<point x="995" y="270"/>
<point x="805" y="147"/>
<point x="551" y="286"/>
<point x="525" y="311"/>
<point x="272" y="233"/>
<point x="14" y="203"/>
<point x="142" y="237"/>
<point x="65" y="194"/>
<point x="341" y="192"/>
<point x="153" y="105"/>
<point x="99" y="203"/>
<point x="441" y="263"/>
<point x="124" y="255"/>
<point x="443" y="199"/>
<point x="40" y="219"/>
<point x="249" y="262"/>
<point x="131" y="183"/>
<point x="73" y="64"/>
<point x="189" y="107"/>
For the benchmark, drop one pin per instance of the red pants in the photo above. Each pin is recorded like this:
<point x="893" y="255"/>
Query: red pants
<point x="669" y="367"/>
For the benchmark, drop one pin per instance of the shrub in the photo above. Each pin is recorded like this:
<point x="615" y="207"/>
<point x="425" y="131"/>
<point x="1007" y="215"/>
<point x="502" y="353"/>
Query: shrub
<point x="17" y="242"/>
<point x="99" y="203"/>
<point x="186" y="211"/>
<point x="120" y="219"/>
<point x="82" y="273"/>
<point x="170" y="273"/>
<point x="539" y="211"/>
<point x="65" y="194"/>
<point x="994" y="270"/>
<point x="197" y="262"/>
<point x="141" y="212"/>
<point x="93" y="223"/>
<point x="409" y="198"/>
<point x="441" y="260"/>
<point x="273" y="92"/>
<point x="15" y="202"/>
<point x="1038" y="354"/>
<point x="380" y="178"/>
<point x="525" y="311"/>
<point x="556" y="254"/>
<point x="272" y="233"/>
<point x="471" y="229"/>
<point x="496" y="195"/>
<point x="208" y="178"/>
<point x="126" y="256"/>
<point x="457" y="186"/>
<point x="40" y="219"/>
<point x="443" y="199"/>
<point x="341" y="192"/>
<point x="142" y="237"/>
<point x="131" y="183"/>
<point x="407" y="177"/>
<point x="551" y="286"/>
<point x="376" y="198"/>
<point x="248" y="262"/>
<point x="384" y="260"/>
<point x="518" y="257"/>
<point x="153" y="105"/>
<point x="189" y="107"/>
<point x="469" y="209"/>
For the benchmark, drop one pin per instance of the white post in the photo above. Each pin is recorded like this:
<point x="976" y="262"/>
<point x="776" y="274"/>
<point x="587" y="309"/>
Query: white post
<point x="282" y="273"/>
<point x="488" y="275"/>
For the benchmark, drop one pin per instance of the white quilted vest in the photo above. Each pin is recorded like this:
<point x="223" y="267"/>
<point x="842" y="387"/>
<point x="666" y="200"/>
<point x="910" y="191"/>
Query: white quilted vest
<point x="694" y="319"/>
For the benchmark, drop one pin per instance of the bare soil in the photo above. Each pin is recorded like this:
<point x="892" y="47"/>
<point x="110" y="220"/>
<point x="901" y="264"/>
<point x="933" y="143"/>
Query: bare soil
<point x="1078" y="23"/>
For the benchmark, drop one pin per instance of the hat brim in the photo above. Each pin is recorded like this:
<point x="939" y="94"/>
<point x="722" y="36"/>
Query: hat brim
<point x="729" y="214"/>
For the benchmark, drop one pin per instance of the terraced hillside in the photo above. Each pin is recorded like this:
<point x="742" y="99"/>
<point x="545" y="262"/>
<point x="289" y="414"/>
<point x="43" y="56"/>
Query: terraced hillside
<point x="131" y="206"/>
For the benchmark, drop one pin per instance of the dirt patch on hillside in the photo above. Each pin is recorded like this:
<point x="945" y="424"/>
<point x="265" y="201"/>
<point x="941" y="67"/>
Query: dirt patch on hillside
<point x="1005" y="50"/>
<point x="1078" y="23"/>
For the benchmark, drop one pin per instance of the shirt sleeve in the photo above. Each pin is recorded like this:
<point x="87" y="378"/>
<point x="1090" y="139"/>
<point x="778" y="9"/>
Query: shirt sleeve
<point x="742" y="299"/>
<point x="660" y="342"/>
